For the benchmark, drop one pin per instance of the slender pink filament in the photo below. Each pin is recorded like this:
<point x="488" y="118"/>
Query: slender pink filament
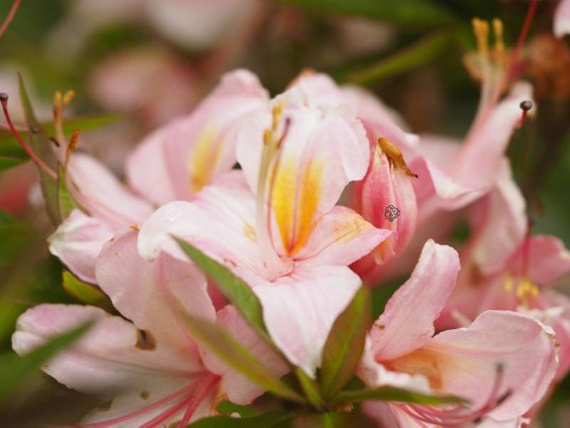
<point x="10" y="16"/>
<point x="201" y="392"/>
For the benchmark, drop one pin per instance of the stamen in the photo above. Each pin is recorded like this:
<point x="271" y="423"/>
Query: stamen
<point x="525" y="106"/>
<point x="28" y="150"/>
<point x="201" y="393"/>
<point x="59" y="102"/>
<point x="481" y="30"/>
<point x="271" y="152"/>
<point x="72" y="146"/>
<point x="499" y="44"/>
<point x="10" y="16"/>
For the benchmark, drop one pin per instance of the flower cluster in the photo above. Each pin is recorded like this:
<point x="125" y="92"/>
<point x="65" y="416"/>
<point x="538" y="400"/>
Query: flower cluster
<point x="331" y="191"/>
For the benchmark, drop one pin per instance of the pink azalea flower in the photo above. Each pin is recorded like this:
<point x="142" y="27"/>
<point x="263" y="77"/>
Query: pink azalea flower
<point x="502" y="363"/>
<point x="175" y="162"/>
<point x="506" y="268"/>
<point x="151" y="368"/>
<point x="562" y="19"/>
<point x="276" y="224"/>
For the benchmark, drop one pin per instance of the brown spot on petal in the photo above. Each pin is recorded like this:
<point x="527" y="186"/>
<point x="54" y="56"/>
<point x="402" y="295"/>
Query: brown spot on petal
<point x="104" y="407"/>
<point x="175" y="424"/>
<point x="395" y="156"/>
<point x="145" y="395"/>
<point x="145" y="340"/>
<point x="135" y="227"/>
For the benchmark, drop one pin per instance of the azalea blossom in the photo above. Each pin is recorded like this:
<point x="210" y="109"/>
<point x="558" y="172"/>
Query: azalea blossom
<point x="151" y="368"/>
<point x="175" y="162"/>
<point x="502" y="363"/>
<point x="276" y="224"/>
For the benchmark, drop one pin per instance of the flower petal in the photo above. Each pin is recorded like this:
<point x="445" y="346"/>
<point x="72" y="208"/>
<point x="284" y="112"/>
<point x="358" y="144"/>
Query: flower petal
<point x="202" y="147"/>
<point x="78" y="241"/>
<point x="340" y="238"/>
<point x="236" y="386"/>
<point x="562" y="18"/>
<point x="102" y="195"/>
<point x="468" y="358"/>
<point x="407" y="321"/>
<point x="148" y="293"/>
<point x="300" y="309"/>
<point x="112" y="358"/>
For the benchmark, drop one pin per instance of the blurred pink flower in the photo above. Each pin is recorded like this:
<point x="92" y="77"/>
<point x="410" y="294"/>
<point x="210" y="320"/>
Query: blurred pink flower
<point x="502" y="363"/>
<point x="152" y="369"/>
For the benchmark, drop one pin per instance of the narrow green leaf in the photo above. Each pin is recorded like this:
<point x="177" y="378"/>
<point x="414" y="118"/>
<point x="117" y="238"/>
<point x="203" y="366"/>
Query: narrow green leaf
<point x="390" y="393"/>
<point x="345" y="344"/>
<point x="266" y="420"/>
<point x="7" y="162"/>
<point x="235" y="289"/>
<point x="334" y="420"/>
<point x="310" y="388"/>
<point x="41" y="145"/>
<point x="413" y="13"/>
<point x="84" y="292"/>
<point x="238" y="357"/>
<point x="15" y="369"/>
<point x="65" y="201"/>
<point x="406" y="59"/>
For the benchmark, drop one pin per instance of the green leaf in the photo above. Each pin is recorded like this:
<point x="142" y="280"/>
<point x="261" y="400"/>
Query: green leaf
<point x="345" y="344"/>
<point x="310" y="388"/>
<point x="334" y="420"/>
<point x="235" y="355"/>
<point x="235" y="289"/>
<point x="413" y="13"/>
<point x="15" y="369"/>
<point x="14" y="237"/>
<point x="84" y="292"/>
<point x="65" y="201"/>
<point x="406" y="59"/>
<point x="390" y="393"/>
<point x="7" y="162"/>
<point x="266" y="420"/>
<point x="41" y="145"/>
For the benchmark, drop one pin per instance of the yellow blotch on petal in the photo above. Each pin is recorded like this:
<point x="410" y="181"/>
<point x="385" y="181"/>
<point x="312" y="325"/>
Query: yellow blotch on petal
<point x="420" y="362"/>
<point x="295" y="198"/>
<point x="203" y="160"/>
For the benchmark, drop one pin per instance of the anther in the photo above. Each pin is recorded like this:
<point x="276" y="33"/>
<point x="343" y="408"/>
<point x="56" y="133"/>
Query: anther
<point x="3" y="96"/>
<point x="525" y="106"/>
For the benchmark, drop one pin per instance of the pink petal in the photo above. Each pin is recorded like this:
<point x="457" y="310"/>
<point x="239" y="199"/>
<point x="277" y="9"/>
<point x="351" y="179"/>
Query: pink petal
<point x="340" y="238"/>
<point x="322" y="152"/>
<point x="219" y="221"/>
<point x="407" y="321"/>
<point x="78" y="241"/>
<point x="102" y="195"/>
<point x="300" y="309"/>
<point x="388" y="186"/>
<point x="562" y="18"/>
<point x="151" y="293"/>
<point x="467" y="359"/>
<point x="499" y="224"/>
<point x="146" y="167"/>
<point x="202" y="147"/>
<point x="542" y="258"/>
<point x="238" y="388"/>
<point x="478" y="163"/>
<point x="108" y="360"/>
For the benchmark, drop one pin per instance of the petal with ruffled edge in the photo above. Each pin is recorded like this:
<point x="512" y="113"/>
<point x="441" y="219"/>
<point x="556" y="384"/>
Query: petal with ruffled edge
<point x="300" y="309"/>
<point x="202" y="147"/>
<point x="102" y="195"/>
<point x="468" y="358"/>
<point x="562" y="19"/>
<point x="340" y="238"/>
<point x="151" y="293"/>
<point x="236" y="386"/>
<point x="78" y="241"/>
<point x="407" y="321"/>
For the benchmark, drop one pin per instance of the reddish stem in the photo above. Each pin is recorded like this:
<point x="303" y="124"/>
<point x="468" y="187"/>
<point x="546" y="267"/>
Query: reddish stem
<point x="10" y="16"/>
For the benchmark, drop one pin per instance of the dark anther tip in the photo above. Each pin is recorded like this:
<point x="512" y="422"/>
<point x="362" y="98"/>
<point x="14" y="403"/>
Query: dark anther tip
<point x="3" y="96"/>
<point x="526" y="105"/>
